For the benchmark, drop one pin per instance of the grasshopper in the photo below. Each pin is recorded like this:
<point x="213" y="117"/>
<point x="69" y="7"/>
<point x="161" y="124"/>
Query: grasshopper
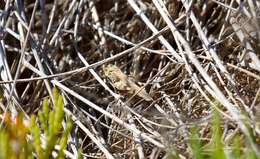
<point x="122" y="82"/>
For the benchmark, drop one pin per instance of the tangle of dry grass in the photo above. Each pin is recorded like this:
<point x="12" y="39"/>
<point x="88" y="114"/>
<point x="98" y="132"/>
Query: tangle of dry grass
<point x="186" y="54"/>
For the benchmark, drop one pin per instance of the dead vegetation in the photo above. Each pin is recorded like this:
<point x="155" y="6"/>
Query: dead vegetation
<point x="186" y="54"/>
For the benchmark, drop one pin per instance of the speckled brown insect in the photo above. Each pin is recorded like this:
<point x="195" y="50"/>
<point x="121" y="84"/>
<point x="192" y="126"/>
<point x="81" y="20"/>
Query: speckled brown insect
<point x="122" y="83"/>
